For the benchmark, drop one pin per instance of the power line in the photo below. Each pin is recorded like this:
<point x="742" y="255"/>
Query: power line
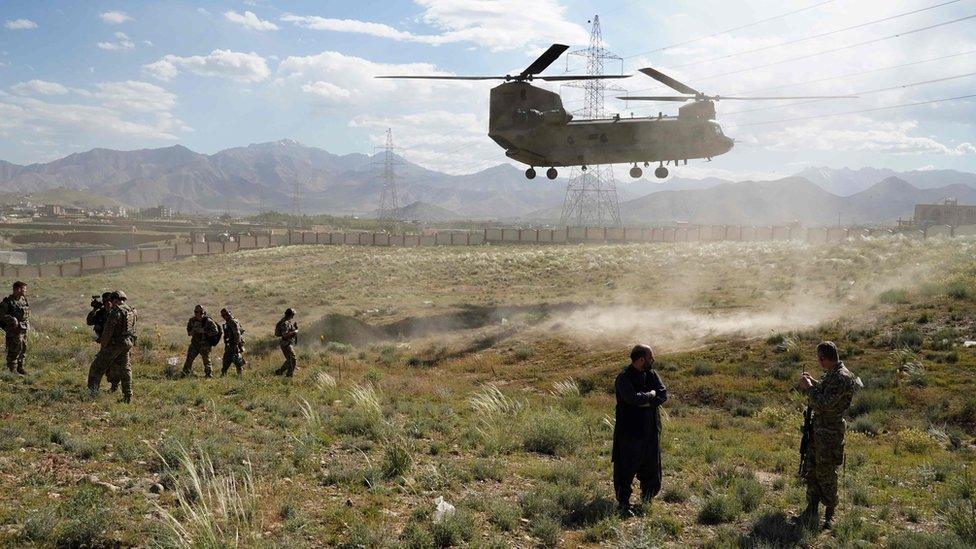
<point x="852" y="75"/>
<point x="819" y="35"/>
<point x="733" y="29"/>
<point x="824" y="52"/>
<point x="846" y="113"/>
<point x="863" y="92"/>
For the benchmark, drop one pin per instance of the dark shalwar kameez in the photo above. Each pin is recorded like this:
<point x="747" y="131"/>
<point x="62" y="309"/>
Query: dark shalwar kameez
<point x="637" y="434"/>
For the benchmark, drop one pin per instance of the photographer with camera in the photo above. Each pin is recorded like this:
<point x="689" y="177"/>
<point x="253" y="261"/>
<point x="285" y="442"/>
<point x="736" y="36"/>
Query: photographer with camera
<point x="101" y="308"/>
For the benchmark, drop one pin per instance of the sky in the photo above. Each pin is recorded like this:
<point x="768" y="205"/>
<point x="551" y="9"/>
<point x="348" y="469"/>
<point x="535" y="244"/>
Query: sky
<point x="214" y="75"/>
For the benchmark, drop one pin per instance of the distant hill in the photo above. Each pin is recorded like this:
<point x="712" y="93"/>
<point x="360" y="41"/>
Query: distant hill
<point x="786" y="200"/>
<point x="422" y="211"/>
<point x="846" y="182"/>
<point x="265" y="176"/>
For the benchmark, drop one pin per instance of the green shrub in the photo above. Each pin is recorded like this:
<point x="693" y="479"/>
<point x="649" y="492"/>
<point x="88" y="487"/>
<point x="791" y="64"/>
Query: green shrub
<point x="870" y="400"/>
<point x="749" y="492"/>
<point x="922" y="540"/>
<point x="865" y="425"/>
<point x="676" y="494"/>
<point x="601" y="531"/>
<point x="702" y="369"/>
<point x="893" y="296"/>
<point x="396" y="460"/>
<point x="718" y="509"/>
<point x="454" y="529"/>
<point x="503" y="515"/>
<point x="551" y="432"/>
<point x="959" y="290"/>
<point x="774" y="529"/>
<point x="83" y="519"/>
<point x="39" y="527"/>
<point x="547" y="530"/>
<point x="571" y="505"/>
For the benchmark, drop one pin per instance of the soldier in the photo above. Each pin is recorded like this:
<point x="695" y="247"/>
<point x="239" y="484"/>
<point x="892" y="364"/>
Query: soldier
<point x="15" y="320"/>
<point x="96" y="319"/>
<point x="233" y="343"/>
<point x="287" y="331"/>
<point x="117" y="340"/>
<point x="828" y="399"/>
<point x="637" y="430"/>
<point x="203" y="332"/>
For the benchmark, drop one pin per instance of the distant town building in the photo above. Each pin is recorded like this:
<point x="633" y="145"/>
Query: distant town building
<point x="157" y="212"/>
<point x="50" y="210"/>
<point x="950" y="212"/>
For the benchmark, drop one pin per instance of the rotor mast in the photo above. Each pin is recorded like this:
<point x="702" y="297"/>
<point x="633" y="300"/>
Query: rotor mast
<point x="591" y="194"/>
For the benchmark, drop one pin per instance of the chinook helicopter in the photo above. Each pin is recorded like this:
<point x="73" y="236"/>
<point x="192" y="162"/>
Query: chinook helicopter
<point x="534" y="128"/>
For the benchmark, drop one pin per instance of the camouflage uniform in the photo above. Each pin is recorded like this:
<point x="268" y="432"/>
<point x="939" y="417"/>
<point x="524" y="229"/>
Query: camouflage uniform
<point x="829" y="398"/>
<point x="200" y="331"/>
<point x="96" y="319"/>
<point x="233" y="346"/>
<point x="117" y="339"/>
<point x="15" y="318"/>
<point x="287" y="344"/>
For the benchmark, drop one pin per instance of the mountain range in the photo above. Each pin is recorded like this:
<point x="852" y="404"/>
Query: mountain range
<point x="272" y="175"/>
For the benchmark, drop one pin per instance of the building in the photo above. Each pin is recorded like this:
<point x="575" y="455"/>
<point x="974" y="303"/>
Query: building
<point x="950" y="212"/>
<point x="158" y="212"/>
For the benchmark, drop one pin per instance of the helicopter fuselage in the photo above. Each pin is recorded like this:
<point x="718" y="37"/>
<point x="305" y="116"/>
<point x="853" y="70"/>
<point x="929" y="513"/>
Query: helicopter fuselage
<point x="532" y="126"/>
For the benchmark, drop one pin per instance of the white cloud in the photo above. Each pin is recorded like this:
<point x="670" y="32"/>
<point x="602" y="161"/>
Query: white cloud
<point x="243" y="67"/>
<point x="859" y="134"/>
<point x="32" y="117"/>
<point x="498" y="25"/>
<point x="123" y="42"/>
<point x="20" y="24"/>
<point x="114" y="17"/>
<point x="39" y="87"/>
<point x="326" y="90"/>
<point x="134" y="95"/>
<point x="249" y="20"/>
<point x="333" y="76"/>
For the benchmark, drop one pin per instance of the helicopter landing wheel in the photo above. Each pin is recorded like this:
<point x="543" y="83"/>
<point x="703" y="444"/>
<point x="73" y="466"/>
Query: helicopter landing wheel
<point x="530" y="173"/>
<point x="636" y="172"/>
<point x="660" y="172"/>
<point x="551" y="173"/>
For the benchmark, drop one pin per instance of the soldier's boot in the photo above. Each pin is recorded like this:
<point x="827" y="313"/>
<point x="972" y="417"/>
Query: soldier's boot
<point x="126" y="399"/>
<point x="114" y="387"/>
<point x="828" y="518"/>
<point x="12" y="367"/>
<point x="281" y="370"/>
<point x="20" y="370"/>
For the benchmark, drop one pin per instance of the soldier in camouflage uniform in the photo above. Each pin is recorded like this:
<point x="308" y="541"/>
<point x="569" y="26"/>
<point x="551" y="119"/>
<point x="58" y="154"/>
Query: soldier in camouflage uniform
<point x="117" y="340"/>
<point x="201" y="329"/>
<point x="96" y="319"/>
<point x="287" y="331"/>
<point x="15" y="320"/>
<point x="828" y="398"/>
<point x="233" y="343"/>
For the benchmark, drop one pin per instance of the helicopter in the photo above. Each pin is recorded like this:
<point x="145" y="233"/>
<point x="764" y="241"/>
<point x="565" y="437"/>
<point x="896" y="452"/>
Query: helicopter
<point x="534" y="128"/>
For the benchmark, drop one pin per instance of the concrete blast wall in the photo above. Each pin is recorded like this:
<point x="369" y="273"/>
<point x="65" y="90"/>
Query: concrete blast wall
<point x="682" y="233"/>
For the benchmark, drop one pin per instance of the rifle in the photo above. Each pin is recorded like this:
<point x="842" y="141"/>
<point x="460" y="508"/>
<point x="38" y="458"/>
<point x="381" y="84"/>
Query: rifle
<point x="805" y="441"/>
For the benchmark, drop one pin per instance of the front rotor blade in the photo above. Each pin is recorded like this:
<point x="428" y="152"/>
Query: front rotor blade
<point x="405" y="77"/>
<point x="723" y="98"/>
<point x="544" y="60"/>
<point x="675" y="98"/>
<point x="581" y="77"/>
<point x="669" y="82"/>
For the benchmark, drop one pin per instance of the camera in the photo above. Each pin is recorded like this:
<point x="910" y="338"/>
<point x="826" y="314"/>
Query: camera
<point x="96" y="301"/>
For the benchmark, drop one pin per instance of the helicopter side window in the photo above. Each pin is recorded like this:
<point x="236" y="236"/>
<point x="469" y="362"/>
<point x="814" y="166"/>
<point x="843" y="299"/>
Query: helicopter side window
<point x="717" y="130"/>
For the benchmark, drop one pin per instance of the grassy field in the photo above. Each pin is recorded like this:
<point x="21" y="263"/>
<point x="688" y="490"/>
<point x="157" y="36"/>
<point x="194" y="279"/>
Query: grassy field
<point x="484" y="375"/>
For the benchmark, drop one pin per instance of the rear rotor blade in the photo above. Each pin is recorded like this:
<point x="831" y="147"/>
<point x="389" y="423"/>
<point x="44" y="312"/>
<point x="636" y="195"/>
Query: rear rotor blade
<point x="407" y="77"/>
<point x="675" y="98"/>
<point x="544" y="60"/>
<point x="724" y="98"/>
<point x="581" y="77"/>
<point x="669" y="82"/>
